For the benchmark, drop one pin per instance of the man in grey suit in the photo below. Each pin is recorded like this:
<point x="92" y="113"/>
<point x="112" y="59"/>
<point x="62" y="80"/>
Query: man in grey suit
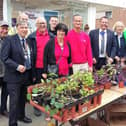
<point x="3" y="33"/>
<point x="103" y="44"/>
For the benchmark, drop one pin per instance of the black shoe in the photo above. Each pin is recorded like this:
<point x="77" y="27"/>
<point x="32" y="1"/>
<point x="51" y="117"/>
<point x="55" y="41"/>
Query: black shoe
<point x="25" y="120"/>
<point x="5" y="113"/>
<point x="37" y="112"/>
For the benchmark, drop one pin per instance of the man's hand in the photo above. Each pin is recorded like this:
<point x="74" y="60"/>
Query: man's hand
<point x="44" y="75"/>
<point x="117" y="58"/>
<point x="94" y="61"/>
<point x="109" y="60"/>
<point x="90" y="69"/>
<point x="21" y="68"/>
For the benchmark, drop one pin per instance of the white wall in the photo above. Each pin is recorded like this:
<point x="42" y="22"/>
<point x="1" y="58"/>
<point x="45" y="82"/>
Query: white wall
<point x="7" y="11"/>
<point x="117" y="3"/>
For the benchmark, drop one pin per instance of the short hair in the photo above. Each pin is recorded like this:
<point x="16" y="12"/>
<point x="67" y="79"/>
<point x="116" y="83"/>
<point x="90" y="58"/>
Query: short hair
<point x="22" y="14"/>
<point x="103" y="17"/>
<point x="53" y="16"/>
<point x="21" y="23"/>
<point x="61" y="26"/>
<point x="75" y="15"/>
<point x="86" y="27"/>
<point x="40" y="18"/>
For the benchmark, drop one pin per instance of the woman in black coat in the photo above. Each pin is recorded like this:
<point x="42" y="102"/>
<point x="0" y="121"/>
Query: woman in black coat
<point x="120" y="41"/>
<point x="58" y="51"/>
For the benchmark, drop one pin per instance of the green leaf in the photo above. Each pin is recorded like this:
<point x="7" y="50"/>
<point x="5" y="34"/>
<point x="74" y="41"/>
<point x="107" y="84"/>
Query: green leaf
<point x="47" y="108"/>
<point x="58" y="105"/>
<point x="35" y="90"/>
<point x="53" y="112"/>
<point x="52" y="101"/>
<point x="42" y="81"/>
<point x="52" y="92"/>
<point x="29" y="97"/>
<point x="48" y="81"/>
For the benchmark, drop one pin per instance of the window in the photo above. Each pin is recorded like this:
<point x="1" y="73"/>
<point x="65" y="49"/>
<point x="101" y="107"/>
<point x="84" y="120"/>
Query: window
<point x="108" y="14"/>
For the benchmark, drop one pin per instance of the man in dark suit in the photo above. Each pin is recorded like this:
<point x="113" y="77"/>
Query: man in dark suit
<point x="103" y="44"/>
<point x="16" y="55"/>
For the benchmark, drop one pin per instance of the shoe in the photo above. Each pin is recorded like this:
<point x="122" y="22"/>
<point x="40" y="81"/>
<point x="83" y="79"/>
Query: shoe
<point x="25" y="120"/>
<point x="37" y="112"/>
<point x="5" y="113"/>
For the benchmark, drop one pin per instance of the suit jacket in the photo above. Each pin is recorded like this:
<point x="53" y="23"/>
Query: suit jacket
<point x="12" y="55"/>
<point x="2" y="67"/>
<point x="111" y="44"/>
<point x="120" y="51"/>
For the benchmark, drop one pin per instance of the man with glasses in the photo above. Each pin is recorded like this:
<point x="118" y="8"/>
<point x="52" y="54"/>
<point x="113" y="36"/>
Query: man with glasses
<point x="37" y="41"/>
<point x="80" y="46"/>
<point x="21" y="17"/>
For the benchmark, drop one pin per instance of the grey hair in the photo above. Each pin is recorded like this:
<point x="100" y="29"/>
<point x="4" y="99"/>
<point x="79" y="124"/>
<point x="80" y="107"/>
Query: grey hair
<point x="41" y="18"/>
<point x="21" y="23"/>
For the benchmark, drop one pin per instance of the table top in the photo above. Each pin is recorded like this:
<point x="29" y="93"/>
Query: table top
<point x="117" y="89"/>
<point x="108" y="97"/>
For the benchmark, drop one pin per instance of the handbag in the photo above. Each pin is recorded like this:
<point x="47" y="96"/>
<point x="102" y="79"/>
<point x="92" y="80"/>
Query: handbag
<point x="54" y="68"/>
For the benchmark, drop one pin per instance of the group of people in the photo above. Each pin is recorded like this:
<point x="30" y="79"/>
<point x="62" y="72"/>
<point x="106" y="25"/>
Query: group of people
<point x="25" y="58"/>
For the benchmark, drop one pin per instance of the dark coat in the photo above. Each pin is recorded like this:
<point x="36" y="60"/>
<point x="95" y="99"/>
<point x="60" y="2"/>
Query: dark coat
<point x="121" y="52"/>
<point x="32" y="43"/>
<point x="2" y="67"/>
<point x="111" y="44"/>
<point x="49" y="55"/>
<point x="52" y="34"/>
<point x="12" y="55"/>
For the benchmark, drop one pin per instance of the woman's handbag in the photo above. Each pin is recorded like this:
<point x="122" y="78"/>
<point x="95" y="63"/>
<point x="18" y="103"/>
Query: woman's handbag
<point x="54" y="68"/>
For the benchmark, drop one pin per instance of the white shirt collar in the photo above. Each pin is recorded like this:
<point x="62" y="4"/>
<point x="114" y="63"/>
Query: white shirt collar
<point x="21" y="38"/>
<point x="121" y="35"/>
<point x="102" y="30"/>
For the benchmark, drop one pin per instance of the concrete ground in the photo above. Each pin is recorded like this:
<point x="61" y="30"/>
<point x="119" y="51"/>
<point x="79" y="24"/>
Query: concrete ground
<point x="36" y="121"/>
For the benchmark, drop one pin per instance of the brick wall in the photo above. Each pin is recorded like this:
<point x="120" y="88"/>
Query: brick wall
<point x="117" y="15"/>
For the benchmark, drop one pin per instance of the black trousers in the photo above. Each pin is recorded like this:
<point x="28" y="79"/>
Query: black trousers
<point x="4" y="95"/>
<point x="17" y="93"/>
<point x="100" y="63"/>
<point x="39" y="75"/>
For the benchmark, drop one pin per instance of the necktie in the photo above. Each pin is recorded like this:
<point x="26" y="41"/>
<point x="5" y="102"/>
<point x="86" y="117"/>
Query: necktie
<point x="102" y="41"/>
<point x="26" y="55"/>
<point x="23" y="43"/>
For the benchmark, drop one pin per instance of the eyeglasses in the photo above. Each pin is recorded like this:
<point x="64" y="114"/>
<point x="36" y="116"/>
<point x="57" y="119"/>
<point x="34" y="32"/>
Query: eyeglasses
<point x="41" y="23"/>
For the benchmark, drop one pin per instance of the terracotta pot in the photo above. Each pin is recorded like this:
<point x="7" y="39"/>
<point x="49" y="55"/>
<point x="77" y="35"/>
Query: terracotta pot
<point x="83" y="107"/>
<point x="121" y="84"/>
<point x="107" y="85"/>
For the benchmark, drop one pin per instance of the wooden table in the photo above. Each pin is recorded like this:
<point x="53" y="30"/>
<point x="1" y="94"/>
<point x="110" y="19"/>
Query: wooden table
<point x="108" y="97"/>
<point x="120" y="90"/>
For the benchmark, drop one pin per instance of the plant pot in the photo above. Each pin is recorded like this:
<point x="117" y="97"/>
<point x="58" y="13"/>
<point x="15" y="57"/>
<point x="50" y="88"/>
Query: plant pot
<point x="83" y="107"/>
<point x="107" y="85"/>
<point x="46" y="100"/>
<point x="99" y="98"/>
<point x="121" y="84"/>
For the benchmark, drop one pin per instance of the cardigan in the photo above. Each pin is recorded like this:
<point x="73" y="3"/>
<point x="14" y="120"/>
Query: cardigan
<point x="50" y="58"/>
